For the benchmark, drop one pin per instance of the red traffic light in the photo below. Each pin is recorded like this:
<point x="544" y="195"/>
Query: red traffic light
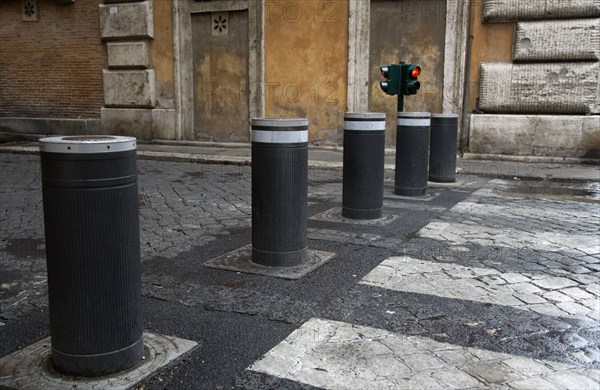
<point x="415" y="72"/>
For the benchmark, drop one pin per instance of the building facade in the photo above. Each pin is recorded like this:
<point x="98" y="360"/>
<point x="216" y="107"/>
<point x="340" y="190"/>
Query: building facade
<point x="522" y="74"/>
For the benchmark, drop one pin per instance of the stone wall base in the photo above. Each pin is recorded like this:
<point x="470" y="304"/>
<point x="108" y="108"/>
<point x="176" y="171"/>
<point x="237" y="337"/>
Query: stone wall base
<point x="568" y="136"/>
<point x="49" y="126"/>
<point x="143" y="124"/>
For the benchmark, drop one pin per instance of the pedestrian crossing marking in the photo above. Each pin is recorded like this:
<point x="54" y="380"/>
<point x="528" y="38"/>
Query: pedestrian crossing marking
<point x="524" y="291"/>
<point x="336" y="355"/>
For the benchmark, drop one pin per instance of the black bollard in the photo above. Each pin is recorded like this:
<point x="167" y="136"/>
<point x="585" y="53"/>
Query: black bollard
<point x="91" y="221"/>
<point x="364" y="150"/>
<point x="279" y="191"/>
<point x="442" y="151"/>
<point x="412" y="146"/>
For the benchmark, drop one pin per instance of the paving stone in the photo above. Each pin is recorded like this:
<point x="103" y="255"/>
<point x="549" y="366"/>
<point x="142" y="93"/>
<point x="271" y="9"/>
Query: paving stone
<point x="526" y="288"/>
<point x="574" y="380"/>
<point x="594" y="354"/>
<point x="529" y="298"/>
<point x="422" y="361"/>
<point x="557" y="296"/>
<point x="573" y="308"/>
<point x="581" y="357"/>
<point x="576" y="293"/>
<point x="586" y="279"/>
<point x="533" y="383"/>
<point x="574" y="340"/>
<point x="593" y="266"/>
<point x="578" y="270"/>
<point x="513" y="278"/>
<point x="548" y="309"/>
<point x="593" y="303"/>
<point x="556" y="283"/>
<point x="594" y="289"/>
<point x="493" y="373"/>
<point x="527" y="366"/>
<point x="456" y="359"/>
<point x="456" y="379"/>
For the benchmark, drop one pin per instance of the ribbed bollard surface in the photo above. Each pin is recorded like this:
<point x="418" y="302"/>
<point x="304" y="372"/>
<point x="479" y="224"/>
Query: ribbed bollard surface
<point x="91" y="220"/>
<point x="279" y="191"/>
<point x="412" y="147"/>
<point x="364" y="149"/>
<point x="442" y="151"/>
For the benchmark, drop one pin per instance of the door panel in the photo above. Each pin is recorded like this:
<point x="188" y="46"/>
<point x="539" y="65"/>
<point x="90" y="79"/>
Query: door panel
<point x="220" y="45"/>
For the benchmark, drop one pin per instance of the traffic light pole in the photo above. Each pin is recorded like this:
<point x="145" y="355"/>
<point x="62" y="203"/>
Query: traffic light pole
<point x="400" y="102"/>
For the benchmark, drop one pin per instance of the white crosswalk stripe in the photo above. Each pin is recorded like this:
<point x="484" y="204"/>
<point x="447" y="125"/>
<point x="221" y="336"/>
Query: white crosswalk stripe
<point x="338" y="355"/>
<point x="520" y="290"/>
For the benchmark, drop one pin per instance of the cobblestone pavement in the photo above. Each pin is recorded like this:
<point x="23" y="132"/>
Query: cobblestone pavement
<point x="481" y="284"/>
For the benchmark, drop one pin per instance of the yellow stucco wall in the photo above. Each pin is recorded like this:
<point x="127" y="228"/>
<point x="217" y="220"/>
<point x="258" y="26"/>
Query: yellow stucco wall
<point x="161" y="53"/>
<point x="491" y="43"/>
<point x="306" y="63"/>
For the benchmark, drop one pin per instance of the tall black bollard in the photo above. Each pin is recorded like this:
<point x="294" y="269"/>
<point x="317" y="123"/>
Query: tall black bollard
<point x="364" y="150"/>
<point x="412" y="146"/>
<point x="91" y="220"/>
<point x="442" y="151"/>
<point x="279" y="191"/>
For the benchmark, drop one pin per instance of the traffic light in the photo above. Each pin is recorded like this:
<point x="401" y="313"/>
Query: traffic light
<point x="391" y="73"/>
<point x="401" y="80"/>
<point x="409" y="83"/>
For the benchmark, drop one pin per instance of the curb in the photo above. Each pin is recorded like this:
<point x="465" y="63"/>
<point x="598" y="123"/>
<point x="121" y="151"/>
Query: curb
<point x="502" y="169"/>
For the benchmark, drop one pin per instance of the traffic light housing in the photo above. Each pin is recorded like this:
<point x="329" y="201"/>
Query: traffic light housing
<point x="391" y="73"/>
<point x="400" y="79"/>
<point x="409" y="83"/>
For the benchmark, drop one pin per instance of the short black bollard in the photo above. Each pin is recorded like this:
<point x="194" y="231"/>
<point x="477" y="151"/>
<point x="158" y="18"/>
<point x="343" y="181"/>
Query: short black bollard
<point x="412" y="146"/>
<point x="279" y="191"/>
<point x="91" y="221"/>
<point x="442" y="151"/>
<point x="364" y="150"/>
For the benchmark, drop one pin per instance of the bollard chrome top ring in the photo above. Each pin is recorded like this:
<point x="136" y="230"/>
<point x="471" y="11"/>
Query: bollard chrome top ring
<point x="279" y="122"/>
<point x="280" y="131"/>
<point x="450" y="116"/>
<point x="374" y="116"/>
<point x="364" y="121"/>
<point x="87" y="144"/>
<point x="414" y="119"/>
<point x="414" y="115"/>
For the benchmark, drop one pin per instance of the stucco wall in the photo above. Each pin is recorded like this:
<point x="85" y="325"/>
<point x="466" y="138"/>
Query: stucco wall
<point x="161" y="53"/>
<point x="306" y="62"/>
<point x="491" y="43"/>
<point x="221" y="78"/>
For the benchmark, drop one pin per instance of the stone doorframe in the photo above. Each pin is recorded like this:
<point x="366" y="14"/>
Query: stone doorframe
<point x="455" y="48"/>
<point x="184" y="63"/>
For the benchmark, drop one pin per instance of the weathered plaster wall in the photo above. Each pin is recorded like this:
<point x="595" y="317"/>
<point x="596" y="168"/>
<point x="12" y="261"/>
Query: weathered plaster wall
<point x="221" y="77"/>
<point x="414" y="32"/>
<point x="161" y="53"/>
<point x="306" y="62"/>
<point x="51" y="67"/>
<point x="491" y="43"/>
